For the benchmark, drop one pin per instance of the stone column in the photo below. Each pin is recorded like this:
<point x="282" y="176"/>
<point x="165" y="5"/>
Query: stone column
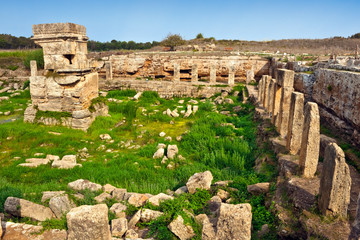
<point x="212" y="73"/>
<point x="276" y="104"/>
<point x="33" y="68"/>
<point x="270" y="101"/>
<point x="266" y="91"/>
<point x="286" y="80"/>
<point x="310" y="142"/>
<point x="194" y="73"/>
<point x="260" y="87"/>
<point x="335" y="183"/>
<point x="176" y="72"/>
<point x="249" y="76"/>
<point x="108" y="67"/>
<point x="231" y="76"/>
<point x="296" y="121"/>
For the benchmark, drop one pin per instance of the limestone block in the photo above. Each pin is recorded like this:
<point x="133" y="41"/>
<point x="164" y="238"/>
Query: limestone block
<point x="181" y="230"/>
<point x="270" y="95"/>
<point x="208" y="232"/>
<point x="155" y="200"/>
<point x="231" y="75"/>
<point x="23" y="208"/>
<point x="60" y="205"/>
<point x="176" y="73"/>
<point x="266" y="91"/>
<point x="276" y="105"/>
<point x="296" y="121"/>
<point x="286" y="78"/>
<point x="37" y="87"/>
<point x="234" y="221"/>
<point x="261" y="90"/>
<point x="81" y="184"/>
<point x="212" y="73"/>
<point x="88" y="222"/>
<point x="53" y="89"/>
<point x="33" y="68"/>
<point x="200" y="180"/>
<point x="119" y="227"/>
<point x="335" y="184"/>
<point x="108" y="68"/>
<point x="119" y="210"/>
<point x="310" y="142"/>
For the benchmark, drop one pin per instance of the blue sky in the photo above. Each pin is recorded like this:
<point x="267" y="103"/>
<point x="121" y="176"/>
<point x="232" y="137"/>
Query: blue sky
<point x="143" y="21"/>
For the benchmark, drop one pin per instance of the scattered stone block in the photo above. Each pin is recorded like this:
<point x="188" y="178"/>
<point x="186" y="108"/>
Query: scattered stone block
<point x="119" y="227"/>
<point x="108" y="188"/>
<point x="172" y="150"/>
<point x="335" y="185"/>
<point x="49" y="194"/>
<point x="200" y="180"/>
<point x="208" y="232"/>
<point x="88" y="222"/>
<point x="259" y="188"/>
<point x="119" y="210"/>
<point x="155" y="200"/>
<point x="181" y="230"/>
<point x="134" y="219"/>
<point x="296" y="121"/>
<point x="102" y="197"/>
<point x="234" y="221"/>
<point x="181" y="190"/>
<point x="148" y="215"/>
<point x="22" y="208"/>
<point x="137" y="199"/>
<point x="60" y="205"/>
<point x="81" y="184"/>
<point x="131" y="234"/>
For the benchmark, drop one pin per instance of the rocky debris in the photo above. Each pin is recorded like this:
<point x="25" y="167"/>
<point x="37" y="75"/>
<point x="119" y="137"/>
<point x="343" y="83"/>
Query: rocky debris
<point x="188" y="111"/>
<point x="102" y="197"/>
<point x="181" y="190"/>
<point x="155" y="200"/>
<point x="60" y="205"/>
<point x="105" y="136"/>
<point x="289" y="165"/>
<point x="178" y="138"/>
<point x="81" y="184"/>
<point x="22" y="231"/>
<point x="134" y="219"/>
<point x="49" y="194"/>
<point x="223" y="183"/>
<point x="181" y="230"/>
<point x="30" y="114"/>
<point x="223" y="194"/>
<point x="4" y="98"/>
<point x="119" y="210"/>
<point x="131" y="234"/>
<point x="171" y="166"/>
<point x="228" y="101"/>
<point x="81" y="114"/>
<point x="208" y="232"/>
<point x="22" y="208"/>
<point x="164" y="160"/>
<point x="162" y="134"/>
<point x="181" y="101"/>
<point x="172" y="150"/>
<point x="34" y="162"/>
<point x="335" y="184"/>
<point x="200" y="180"/>
<point x="108" y="188"/>
<point x="68" y="161"/>
<point x="193" y="101"/>
<point x="195" y="108"/>
<point x="119" y="194"/>
<point x="159" y="153"/>
<point x="355" y="232"/>
<point x="137" y="199"/>
<point x="88" y="222"/>
<point x="148" y="215"/>
<point x="258" y="188"/>
<point x="302" y="191"/>
<point x="234" y="221"/>
<point x="137" y="96"/>
<point x="168" y="138"/>
<point x="119" y="227"/>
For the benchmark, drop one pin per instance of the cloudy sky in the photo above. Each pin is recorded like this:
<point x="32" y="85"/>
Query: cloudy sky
<point x="149" y="20"/>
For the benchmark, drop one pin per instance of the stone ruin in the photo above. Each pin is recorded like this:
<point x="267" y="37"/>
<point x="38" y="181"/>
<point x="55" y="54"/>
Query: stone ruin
<point x="69" y="84"/>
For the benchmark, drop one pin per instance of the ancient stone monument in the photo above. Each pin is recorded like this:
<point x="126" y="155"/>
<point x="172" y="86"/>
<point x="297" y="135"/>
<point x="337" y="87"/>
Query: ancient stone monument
<point x="286" y="80"/>
<point x="69" y="84"/>
<point x="335" y="184"/>
<point x="310" y="143"/>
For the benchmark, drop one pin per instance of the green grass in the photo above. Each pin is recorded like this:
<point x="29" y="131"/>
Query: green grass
<point x="25" y="57"/>
<point x="207" y="145"/>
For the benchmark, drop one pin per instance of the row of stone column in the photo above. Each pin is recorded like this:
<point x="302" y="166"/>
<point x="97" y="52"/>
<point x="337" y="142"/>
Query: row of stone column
<point x="299" y="123"/>
<point x="194" y="73"/>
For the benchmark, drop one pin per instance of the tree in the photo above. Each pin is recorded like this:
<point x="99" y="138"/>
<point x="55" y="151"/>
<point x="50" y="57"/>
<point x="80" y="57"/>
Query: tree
<point x="172" y="40"/>
<point x="199" y="36"/>
<point x="357" y="35"/>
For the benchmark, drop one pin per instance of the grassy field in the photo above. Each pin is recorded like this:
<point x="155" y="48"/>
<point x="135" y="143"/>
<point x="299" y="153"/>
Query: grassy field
<point x="207" y="144"/>
<point x="14" y="59"/>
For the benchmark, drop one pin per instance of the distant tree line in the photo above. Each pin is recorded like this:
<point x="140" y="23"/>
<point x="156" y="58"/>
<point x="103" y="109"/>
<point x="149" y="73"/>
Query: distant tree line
<point x="117" y="45"/>
<point x="357" y="35"/>
<point x="10" y="42"/>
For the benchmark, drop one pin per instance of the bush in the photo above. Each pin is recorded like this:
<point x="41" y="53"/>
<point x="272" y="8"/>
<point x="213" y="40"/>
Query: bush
<point x="173" y="40"/>
<point x="6" y="192"/>
<point x="118" y="94"/>
<point x="36" y="55"/>
<point x="199" y="36"/>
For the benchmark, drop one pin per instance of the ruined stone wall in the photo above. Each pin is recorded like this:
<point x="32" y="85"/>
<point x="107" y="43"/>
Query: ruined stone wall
<point x="165" y="89"/>
<point x="161" y="66"/>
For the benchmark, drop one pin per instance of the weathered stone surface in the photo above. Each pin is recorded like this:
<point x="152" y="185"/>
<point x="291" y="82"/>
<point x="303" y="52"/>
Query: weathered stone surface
<point x="81" y="184"/>
<point x="30" y="114"/>
<point x="119" y="194"/>
<point x="108" y="188"/>
<point x="108" y="68"/>
<point x="200" y="180"/>
<point x="34" y="162"/>
<point x="119" y="227"/>
<point x="355" y="232"/>
<point x="310" y="143"/>
<point x="270" y="95"/>
<point x="68" y="161"/>
<point x="172" y="150"/>
<point x="61" y="205"/>
<point x="234" y="221"/>
<point x="49" y="194"/>
<point x="181" y="230"/>
<point x="223" y="194"/>
<point x="265" y="92"/>
<point x="148" y="215"/>
<point x="324" y="142"/>
<point x="296" y="121"/>
<point x="302" y="192"/>
<point x="276" y="104"/>
<point x="137" y="199"/>
<point x="176" y="73"/>
<point x="81" y="114"/>
<point x="88" y="223"/>
<point x="134" y="219"/>
<point x="231" y="75"/>
<point x="181" y="190"/>
<point x="208" y="232"/>
<point x="335" y="185"/>
<point x="131" y="234"/>
<point x="155" y="200"/>
<point x="194" y="73"/>
<point x="23" y="208"/>
<point x="212" y="73"/>
<point x="258" y="188"/>
<point x="22" y="231"/>
<point x="119" y="210"/>
<point x="102" y="197"/>
<point x="159" y="153"/>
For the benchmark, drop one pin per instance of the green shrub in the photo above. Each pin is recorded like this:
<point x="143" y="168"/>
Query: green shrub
<point x="55" y="223"/>
<point x="6" y="192"/>
<point x="26" y="84"/>
<point x="12" y="67"/>
<point x="34" y="55"/>
<point x="118" y="94"/>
